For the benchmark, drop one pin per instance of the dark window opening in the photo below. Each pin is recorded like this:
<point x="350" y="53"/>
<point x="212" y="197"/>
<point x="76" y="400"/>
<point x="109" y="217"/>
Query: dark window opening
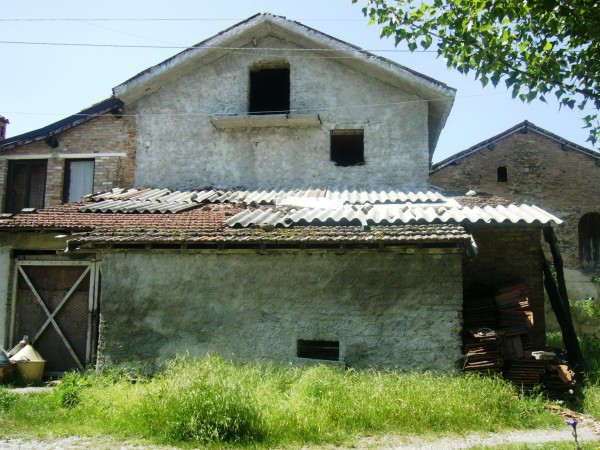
<point x="327" y="350"/>
<point x="26" y="186"/>
<point x="348" y="147"/>
<point x="589" y="241"/>
<point x="502" y="175"/>
<point x="79" y="179"/>
<point x="270" y="91"/>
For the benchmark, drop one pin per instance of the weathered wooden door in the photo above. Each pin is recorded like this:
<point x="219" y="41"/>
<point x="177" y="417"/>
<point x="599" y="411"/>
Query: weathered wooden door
<point x="55" y="304"/>
<point x="589" y="241"/>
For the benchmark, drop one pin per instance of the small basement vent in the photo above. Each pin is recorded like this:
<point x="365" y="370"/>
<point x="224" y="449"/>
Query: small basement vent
<point x="327" y="350"/>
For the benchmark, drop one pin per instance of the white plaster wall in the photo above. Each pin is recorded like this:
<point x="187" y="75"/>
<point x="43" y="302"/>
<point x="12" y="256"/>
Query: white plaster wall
<point x="178" y="147"/>
<point x="386" y="309"/>
<point x="5" y="265"/>
<point x="580" y="285"/>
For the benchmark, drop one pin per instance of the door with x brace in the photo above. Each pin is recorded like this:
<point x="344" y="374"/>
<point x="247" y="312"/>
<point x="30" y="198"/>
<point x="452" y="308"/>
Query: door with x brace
<point x="55" y="304"/>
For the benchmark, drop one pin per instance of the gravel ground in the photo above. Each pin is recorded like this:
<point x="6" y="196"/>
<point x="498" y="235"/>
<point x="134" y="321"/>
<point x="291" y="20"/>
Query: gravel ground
<point x="74" y="442"/>
<point x="387" y="442"/>
<point x="462" y="442"/>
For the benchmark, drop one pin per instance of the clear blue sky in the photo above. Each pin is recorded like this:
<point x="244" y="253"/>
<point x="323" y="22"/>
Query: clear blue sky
<point x="40" y="84"/>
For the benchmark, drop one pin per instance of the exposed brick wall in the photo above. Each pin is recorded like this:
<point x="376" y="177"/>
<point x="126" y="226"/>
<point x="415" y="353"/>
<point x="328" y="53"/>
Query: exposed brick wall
<point x="104" y="134"/>
<point x="540" y="172"/>
<point x="507" y="254"/>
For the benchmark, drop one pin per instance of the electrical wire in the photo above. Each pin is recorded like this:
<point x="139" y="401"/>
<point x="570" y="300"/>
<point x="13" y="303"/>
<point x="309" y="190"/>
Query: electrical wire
<point x="183" y="47"/>
<point x="296" y="111"/>
<point x="157" y="19"/>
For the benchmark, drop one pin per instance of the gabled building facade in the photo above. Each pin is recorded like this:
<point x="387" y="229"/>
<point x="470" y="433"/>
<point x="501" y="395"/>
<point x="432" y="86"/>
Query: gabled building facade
<point x="528" y="163"/>
<point x="281" y="211"/>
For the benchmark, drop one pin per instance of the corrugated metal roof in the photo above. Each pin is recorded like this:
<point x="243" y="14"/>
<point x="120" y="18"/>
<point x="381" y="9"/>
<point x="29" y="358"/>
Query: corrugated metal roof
<point x="156" y="200"/>
<point x="321" y="206"/>
<point x="391" y="215"/>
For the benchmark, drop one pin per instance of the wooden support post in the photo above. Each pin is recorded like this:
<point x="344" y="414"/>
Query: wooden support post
<point x="550" y="238"/>
<point x="569" y="336"/>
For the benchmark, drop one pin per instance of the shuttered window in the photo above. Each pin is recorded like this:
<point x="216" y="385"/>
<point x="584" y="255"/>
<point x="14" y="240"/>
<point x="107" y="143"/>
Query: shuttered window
<point x="26" y="186"/>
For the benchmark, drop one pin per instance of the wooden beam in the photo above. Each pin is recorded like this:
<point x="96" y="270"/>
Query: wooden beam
<point x="569" y="336"/>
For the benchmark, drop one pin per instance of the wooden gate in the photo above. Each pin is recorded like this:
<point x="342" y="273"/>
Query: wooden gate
<point x="55" y="303"/>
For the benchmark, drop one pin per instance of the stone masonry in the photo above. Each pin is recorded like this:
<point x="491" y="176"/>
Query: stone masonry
<point x="385" y="309"/>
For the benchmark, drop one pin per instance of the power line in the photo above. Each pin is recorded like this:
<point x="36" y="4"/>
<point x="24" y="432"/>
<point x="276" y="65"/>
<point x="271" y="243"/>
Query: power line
<point x="156" y="19"/>
<point x="183" y="47"/>
<point x="297" y="111"/>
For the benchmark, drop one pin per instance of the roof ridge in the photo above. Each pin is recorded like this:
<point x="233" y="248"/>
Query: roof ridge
<point x="524" y="125"/>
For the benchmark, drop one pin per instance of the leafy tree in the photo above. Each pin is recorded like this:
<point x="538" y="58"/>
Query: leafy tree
<point x="537" y="47"/>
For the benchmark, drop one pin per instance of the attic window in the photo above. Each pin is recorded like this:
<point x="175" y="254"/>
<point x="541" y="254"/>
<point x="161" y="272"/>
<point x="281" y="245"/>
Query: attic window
<point x="347" y="147"/>
<point x="502" y="175"/>
<point x="270" y="90"/>
<point x="326" y="350"/>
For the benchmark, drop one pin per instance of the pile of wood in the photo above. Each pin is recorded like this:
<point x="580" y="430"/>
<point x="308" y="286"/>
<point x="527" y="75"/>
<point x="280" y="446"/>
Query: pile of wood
<point x="497" y="339"/>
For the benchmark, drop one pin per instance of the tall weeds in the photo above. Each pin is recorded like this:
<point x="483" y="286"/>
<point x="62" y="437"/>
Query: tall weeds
<point x="211" y="400"/>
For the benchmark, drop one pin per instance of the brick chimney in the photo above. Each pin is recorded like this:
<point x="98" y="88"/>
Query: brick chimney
<point x="3" y="123"/>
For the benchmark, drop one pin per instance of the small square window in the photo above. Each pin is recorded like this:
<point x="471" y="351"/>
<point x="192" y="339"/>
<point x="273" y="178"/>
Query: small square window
<point x="270" y="91"/>
<point x="326" y="350"/>
<point x="502" y="175"/>
<point x="348" y="147"/>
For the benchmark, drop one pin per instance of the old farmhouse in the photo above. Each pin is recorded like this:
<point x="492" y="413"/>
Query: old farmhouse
<point x="528" y="163"/>
<point x="270" y="202"/>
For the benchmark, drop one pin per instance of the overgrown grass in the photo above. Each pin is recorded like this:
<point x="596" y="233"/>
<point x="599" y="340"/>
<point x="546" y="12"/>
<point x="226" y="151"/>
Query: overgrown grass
<point x="590" y="347"/>
<point x="591" y="401"/>
<point x="211" y="400"/>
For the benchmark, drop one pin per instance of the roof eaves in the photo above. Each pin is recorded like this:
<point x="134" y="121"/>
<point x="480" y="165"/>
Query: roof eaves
<point x="282" y="21"/>
<point x="525" y="125"/>
<point x="83" y="116"/>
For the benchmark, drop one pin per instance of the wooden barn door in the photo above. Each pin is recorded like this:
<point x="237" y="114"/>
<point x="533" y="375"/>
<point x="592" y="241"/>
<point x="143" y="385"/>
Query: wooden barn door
<point x="55" y="304"/>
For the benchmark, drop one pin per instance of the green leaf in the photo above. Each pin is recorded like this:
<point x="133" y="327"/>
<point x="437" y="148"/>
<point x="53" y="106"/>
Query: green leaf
<point x="548" y="46"/>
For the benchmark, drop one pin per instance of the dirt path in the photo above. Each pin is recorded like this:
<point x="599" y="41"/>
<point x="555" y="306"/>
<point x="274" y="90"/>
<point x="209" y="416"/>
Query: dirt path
<point x="387" y="442"/>
<point x="465" y="442"/>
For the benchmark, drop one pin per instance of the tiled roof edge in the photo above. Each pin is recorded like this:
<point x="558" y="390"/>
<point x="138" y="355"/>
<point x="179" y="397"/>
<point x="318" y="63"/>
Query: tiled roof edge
<point x="62" y="125"/>
<point x="520" y="126"/>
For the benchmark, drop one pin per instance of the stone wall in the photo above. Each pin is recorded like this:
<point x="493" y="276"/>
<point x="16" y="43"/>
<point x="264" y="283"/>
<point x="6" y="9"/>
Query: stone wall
<point x="179" y="147"/>
<point x="102" y="136"/>
<point x="5" y="276"/>
<point x="385" y="309"/>
<point x="506" y="254"/>
<point x="564" y="182"/>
